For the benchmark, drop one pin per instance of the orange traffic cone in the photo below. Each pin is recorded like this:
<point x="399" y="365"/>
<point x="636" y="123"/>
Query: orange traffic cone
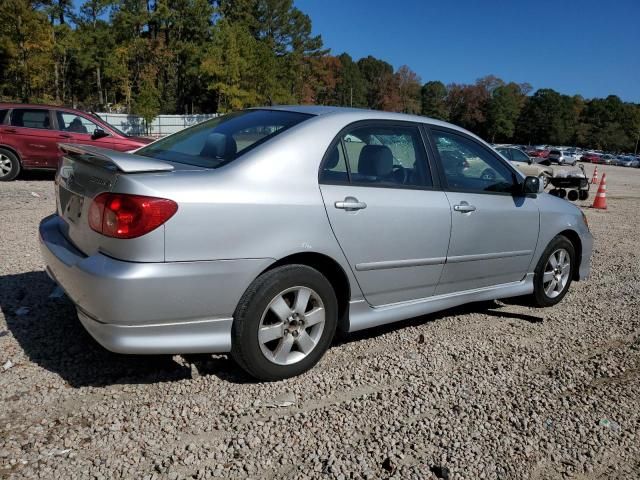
<point x="601" y="197"/>
<point x="594" y="179"/>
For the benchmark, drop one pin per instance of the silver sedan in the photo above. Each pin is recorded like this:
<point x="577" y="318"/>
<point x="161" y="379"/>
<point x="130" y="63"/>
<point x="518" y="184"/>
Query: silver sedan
<point x="262" y="232"/>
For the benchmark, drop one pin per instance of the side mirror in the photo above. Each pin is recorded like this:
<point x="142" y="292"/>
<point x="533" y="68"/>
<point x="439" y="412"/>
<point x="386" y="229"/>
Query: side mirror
<point x="531" y="185"/>
<point x="98" y="133"/>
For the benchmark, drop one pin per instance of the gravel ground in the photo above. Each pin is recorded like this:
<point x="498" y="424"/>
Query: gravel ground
<point x="491" y="390"/>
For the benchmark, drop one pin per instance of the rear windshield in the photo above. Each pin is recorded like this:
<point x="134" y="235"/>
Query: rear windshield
<point x="222" y="139"/>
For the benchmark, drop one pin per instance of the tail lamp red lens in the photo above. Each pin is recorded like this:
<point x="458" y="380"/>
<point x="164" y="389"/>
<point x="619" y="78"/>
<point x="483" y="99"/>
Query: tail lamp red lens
<point x="121" y="215"/>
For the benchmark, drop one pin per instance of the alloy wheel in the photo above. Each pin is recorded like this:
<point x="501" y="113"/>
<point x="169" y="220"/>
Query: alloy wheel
<point x="556" y="273"/>
<point x="291" y="325"/>
<point x="5" y="165"/>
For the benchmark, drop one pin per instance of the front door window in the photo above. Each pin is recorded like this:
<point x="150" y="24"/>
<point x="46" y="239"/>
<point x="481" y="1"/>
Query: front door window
<point x="470" y="167"/>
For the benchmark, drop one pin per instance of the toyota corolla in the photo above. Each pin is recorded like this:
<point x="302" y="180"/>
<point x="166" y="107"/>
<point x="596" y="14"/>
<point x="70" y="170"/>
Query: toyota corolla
<point x="262" y="232"/>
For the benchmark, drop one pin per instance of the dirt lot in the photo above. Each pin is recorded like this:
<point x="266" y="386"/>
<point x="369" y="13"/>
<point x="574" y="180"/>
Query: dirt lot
<point x="492" y="390"/>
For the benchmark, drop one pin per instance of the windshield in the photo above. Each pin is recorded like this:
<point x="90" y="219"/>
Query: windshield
<point x="221" y="140"/>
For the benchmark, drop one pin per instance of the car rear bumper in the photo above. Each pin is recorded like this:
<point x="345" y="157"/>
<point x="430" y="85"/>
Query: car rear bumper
<point x="150" y="308"/>
<point x="206" y="336"/>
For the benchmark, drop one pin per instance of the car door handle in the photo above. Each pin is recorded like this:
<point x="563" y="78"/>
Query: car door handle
<point x="64" y="135"/>
<point x="350" y="204"/>
<point x="464" y="207"/>
<point x="9" y="130"/>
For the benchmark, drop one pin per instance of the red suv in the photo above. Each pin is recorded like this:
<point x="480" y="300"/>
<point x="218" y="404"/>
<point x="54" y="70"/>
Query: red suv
<point x="29" y="136"/>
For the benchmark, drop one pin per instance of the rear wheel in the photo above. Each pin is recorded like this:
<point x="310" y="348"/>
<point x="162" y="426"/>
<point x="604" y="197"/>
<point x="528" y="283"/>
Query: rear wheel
<point x="284" y="322"/>
<point x="9" y="165"/>
<point x="554" y="272"/>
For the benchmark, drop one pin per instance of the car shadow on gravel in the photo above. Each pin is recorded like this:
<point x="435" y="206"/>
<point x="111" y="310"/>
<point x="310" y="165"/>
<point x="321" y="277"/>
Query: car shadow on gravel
<point x="37" y="175"/>
<point x="51" y="336"/>
<point x="46" y="327"/>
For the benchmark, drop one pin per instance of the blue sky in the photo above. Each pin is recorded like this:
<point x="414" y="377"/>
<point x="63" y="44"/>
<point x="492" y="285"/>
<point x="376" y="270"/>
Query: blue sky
<point x="587" y="47"/>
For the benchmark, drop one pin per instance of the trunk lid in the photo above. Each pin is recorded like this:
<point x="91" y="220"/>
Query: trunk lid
<point x="87" y="171"/>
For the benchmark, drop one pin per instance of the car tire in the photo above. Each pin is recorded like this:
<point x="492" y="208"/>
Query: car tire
<point x="551" y="283"/>
<point x="544" y="180"/>
<point x="270" y="305"/>
<point x="9" y="165"/>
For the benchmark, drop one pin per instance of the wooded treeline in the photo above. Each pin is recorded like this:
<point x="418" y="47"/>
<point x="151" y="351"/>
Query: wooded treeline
<point x="191" y="56"/>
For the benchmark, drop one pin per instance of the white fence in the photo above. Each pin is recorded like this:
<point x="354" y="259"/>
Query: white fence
<point x="161" y="126"/>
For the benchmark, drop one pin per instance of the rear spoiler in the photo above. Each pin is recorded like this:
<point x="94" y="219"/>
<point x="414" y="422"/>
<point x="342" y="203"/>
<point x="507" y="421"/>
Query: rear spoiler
<point x="125" y="162"/>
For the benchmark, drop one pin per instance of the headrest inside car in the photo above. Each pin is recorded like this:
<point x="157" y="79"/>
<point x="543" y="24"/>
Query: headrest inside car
<point x="219" y="145"/>
<point x="375" y="161"/>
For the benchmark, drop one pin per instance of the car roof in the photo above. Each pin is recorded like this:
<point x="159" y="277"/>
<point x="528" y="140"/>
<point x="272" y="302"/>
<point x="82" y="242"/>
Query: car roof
<point x="41" y="106"/>
<point x="356" y="114"/>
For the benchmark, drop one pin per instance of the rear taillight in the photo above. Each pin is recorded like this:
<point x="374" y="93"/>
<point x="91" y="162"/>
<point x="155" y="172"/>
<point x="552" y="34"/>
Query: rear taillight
<point x="121" y="215"/>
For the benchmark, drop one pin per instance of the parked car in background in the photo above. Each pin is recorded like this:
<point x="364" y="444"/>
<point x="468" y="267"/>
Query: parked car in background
<point x="559" y="157"/>
<point x="30" y="134"/>
<point x="590" y="157"/>
<point x="606" y="159"/>
<point x="573" y="156"/>
<point x="628" y="161"/>
<point x="526" y="164"/>
<point x="262" y="232"/>
<point x="539" y="152"/>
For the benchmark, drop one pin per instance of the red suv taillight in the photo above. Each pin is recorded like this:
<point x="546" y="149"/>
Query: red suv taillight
<point x="121" y="215"/>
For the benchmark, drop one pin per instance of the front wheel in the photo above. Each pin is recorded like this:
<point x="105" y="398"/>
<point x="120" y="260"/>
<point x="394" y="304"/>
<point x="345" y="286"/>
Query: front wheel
<point x="544" y="180"/>
<point x="554" y="272"/>
<point x="284" y="322"/>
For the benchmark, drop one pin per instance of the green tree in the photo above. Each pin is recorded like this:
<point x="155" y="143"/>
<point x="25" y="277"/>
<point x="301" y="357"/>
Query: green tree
<point x="228" y="63"/>
<point x="26" y="51"/>
<point x="548" y="117"/>
<point x="376" y="75"/>
<point x="503" y="111"/>
<point x="97" y="42"/>
<point x="433" y="100"/>
<point x="147" y="100"/>
<point x="351" y="90"/>
<point x="408" y="90"/>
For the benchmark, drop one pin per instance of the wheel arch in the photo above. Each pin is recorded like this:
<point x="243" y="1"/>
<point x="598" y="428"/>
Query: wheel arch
<point x="12" y="150"/>
<point x="574" y="238"/>
<point x="332" y="270"/>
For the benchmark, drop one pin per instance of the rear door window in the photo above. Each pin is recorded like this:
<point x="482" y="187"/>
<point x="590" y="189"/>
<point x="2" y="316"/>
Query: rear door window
<point x="334" y="168"/>
<point x="381" y="154"/>
<point x="30" y="118"/>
